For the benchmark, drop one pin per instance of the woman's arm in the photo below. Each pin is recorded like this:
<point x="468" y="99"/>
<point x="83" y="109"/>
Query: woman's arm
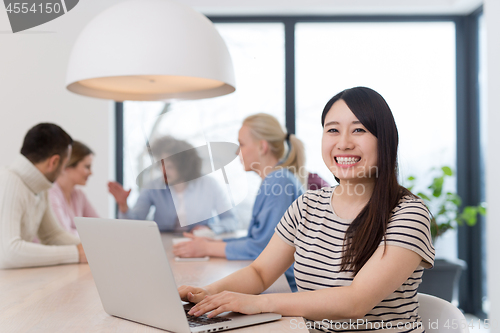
<point x="379" y="277"/>
<point x="267" y="212"/>
<point x="260" y="231"/>
<point x="271" y="209"/>
<point x="253" y="279"/>
<point x="141" y="208"/>
<point x="266" y="269"/>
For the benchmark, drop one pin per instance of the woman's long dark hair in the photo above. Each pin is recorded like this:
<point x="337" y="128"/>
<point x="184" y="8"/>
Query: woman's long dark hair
<point x="367" y="230"/>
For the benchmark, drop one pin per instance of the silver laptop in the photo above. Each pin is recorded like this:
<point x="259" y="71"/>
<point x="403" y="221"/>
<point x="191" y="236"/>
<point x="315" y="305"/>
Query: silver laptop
<point x="135" y="282"/>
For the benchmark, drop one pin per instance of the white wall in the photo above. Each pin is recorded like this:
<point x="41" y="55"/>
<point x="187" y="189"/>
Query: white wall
<point x="32" y="90"/>
<point x="492" y="17"/>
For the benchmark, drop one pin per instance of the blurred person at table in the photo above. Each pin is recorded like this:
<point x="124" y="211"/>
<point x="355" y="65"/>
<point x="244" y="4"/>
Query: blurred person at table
<point x="25" y="211"/>
<point x="263" y="149"/>
<point x="66" y="199"/>
<point x="183" y="198"/>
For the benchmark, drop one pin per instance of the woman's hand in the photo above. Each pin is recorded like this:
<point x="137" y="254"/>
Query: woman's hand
<point x="193" y="237"/>
<point x="120" y="195"/>
<point x="195" y="248"/>
<point x="192" y="294"/>
<point x="201" y="231"/>
<point x="229" y="301"/>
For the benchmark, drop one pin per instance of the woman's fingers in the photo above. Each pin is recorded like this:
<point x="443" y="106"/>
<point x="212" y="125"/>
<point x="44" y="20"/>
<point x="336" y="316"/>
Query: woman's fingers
<point x="115" y="187"/>
<point x="183" y="291"/>
<point x="207" y="304"/>
<point x="219" y="303"/>
<point x="219" y="310"/>
<point x="191" y="249"/>
<point x="216" y="303"/>
<point x="118" y="192"/>
<point x="227" y="301"/>
<point x="196" y="297"/>
<point x="180" y="249"/>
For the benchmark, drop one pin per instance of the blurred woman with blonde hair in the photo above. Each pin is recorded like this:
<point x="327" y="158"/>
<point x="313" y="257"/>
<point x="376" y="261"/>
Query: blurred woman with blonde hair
<point x="287" y="149"/>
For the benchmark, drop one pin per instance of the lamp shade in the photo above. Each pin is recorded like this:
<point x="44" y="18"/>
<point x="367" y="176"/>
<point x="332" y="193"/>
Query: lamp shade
<point x="146" y="50"/>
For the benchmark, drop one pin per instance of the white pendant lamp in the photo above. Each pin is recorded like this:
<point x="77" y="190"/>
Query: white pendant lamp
<point x="146" y="50"/>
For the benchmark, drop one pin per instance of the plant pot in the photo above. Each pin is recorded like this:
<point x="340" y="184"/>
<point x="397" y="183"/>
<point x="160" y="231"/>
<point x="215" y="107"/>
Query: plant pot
<point x="442" y="280"/>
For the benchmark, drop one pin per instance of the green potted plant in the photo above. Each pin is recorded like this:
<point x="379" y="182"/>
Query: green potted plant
<point x="446" y="213"/>
<point x="446" y="206"/>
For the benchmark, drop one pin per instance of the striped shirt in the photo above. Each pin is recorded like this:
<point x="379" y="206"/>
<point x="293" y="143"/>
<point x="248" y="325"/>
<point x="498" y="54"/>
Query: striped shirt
<point x="317" y="233"/>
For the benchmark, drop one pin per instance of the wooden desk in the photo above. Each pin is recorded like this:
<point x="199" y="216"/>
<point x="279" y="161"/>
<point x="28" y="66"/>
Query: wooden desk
<point x="64" y="298"/>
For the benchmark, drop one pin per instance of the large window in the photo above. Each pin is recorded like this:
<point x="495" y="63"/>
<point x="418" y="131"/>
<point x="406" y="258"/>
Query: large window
<point x="411" y="64"/>
<point x="257" y="52"/>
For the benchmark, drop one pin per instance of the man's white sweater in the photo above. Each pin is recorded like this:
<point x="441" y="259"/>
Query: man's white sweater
<point x="25" y="213"/>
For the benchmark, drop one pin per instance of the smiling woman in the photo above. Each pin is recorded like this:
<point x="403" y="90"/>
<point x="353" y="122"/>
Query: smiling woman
<point x="358" y="256"/>
<point x="367" y="132"/>
<point x="345" y="136"/>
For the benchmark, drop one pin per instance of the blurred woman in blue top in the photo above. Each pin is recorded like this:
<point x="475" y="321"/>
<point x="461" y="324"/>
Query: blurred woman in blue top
<point x="174" y="191"/>
<point x="263" y="149"/>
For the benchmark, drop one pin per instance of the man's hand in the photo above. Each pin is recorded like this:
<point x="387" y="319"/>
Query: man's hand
<point x="82" y="258"/>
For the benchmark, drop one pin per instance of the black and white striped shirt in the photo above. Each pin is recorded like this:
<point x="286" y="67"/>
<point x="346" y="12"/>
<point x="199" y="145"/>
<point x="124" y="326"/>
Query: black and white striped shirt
<point x="317" y="233"/>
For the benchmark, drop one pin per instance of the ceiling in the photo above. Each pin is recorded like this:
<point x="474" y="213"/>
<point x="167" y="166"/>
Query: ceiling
<point x="333" y="7"/>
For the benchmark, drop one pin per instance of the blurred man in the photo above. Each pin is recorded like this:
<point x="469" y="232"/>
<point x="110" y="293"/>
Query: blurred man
<point x="25" y="211"/>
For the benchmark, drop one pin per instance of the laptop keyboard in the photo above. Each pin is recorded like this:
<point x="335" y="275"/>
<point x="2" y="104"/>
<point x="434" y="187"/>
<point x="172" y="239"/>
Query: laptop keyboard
<point x="203" y="320"/>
